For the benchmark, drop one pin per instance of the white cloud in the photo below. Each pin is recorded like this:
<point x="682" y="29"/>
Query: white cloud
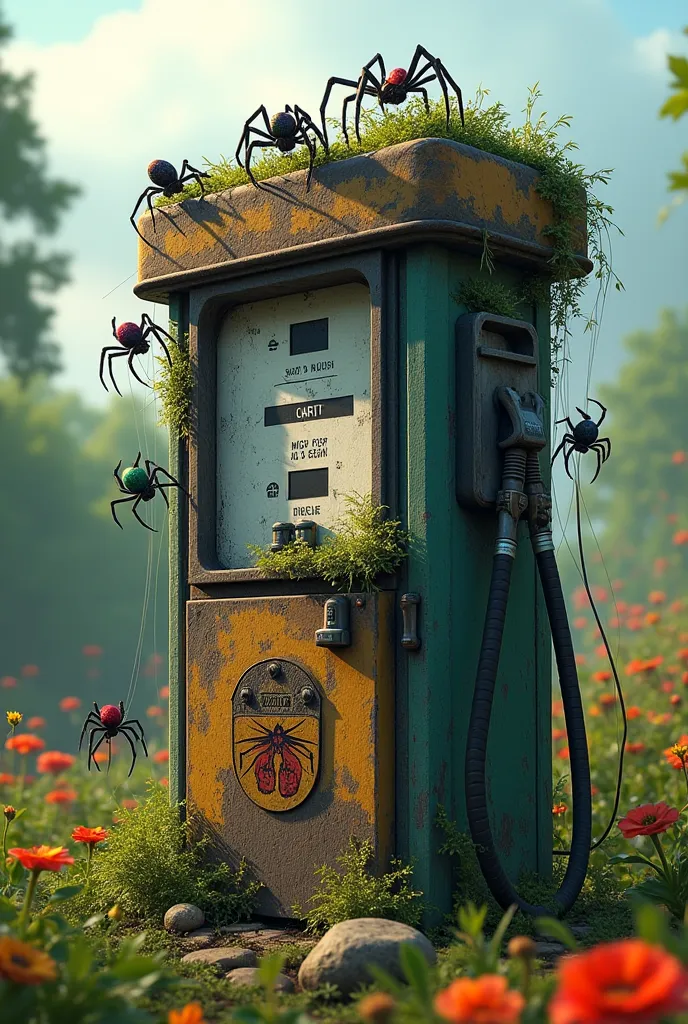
<point x="651" y="51"/>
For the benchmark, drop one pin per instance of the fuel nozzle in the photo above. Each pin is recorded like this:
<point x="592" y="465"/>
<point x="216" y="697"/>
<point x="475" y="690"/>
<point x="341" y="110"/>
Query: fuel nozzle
<point x="521" y="435"/>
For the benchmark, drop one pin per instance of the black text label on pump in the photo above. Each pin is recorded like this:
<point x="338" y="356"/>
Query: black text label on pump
<point x="294" y="433"/>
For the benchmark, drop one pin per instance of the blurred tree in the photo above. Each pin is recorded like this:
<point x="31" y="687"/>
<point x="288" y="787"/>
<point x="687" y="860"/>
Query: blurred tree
<point x="676" y="106"/>
<point x="641" y="494"/>
<point x="26" y="192"/>
<point x="70" y="578"/>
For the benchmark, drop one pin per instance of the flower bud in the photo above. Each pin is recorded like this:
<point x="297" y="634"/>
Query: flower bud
<point x="10" y="812"/>
<point x="377" y="1008"/>
<point x="521" y="946"/>
<point x="115" y="913"/>
<point x="14" y="718"/>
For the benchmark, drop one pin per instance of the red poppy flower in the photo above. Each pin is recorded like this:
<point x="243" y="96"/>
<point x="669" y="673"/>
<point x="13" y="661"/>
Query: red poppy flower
<point x="70" y="704"/>
<point x="7" y="682"/>
<point x="601" y="651"/>
<point x="6" y="779"/>
<point x="677" y="754"/>
<point x="580" y="659"/>
<point x="487" y="999"/>
<point x="54" y="762"/>
<point x="164" y="692"/>
<point x="61" y="796"/>
<point x="621" y="607"/>
<point x="602" y="677"/>
<point x="563" y="754"/>
<point x="28" y="671"/>
<point x="621" y="981"/>
<point x="676" y="606"/>
<point x="154" y="711"/>
<point x="580" y="622"/>
<point x="559" y="809"/>
<point x="91" y="651"/>
<point x="90" y="836"/>
<point x="636" y="609"/>
<point x="25" y="743"/>
<point x="681" y="537"/>
<point x="657" y="596"/>
<point x="667" y="686"/>
<point x="675" y="699"/>
<point x="129" y="804"/>
<point x="558" y="734"/>
<point x="618" y="584"/>
<point x="652" y="618"/>
<point x="164" y="782"/>
<point x="635" y="748"/>
<point x="557" y="708"/>
<point x="607" y="699"/>
<point x="633" y="712"/>
<point x="648" y="820"/>
<point x="42" y="858"/>
<point x="678" y="458"/>
<point x="162" y="757"/>
<point x="36" y="722"/>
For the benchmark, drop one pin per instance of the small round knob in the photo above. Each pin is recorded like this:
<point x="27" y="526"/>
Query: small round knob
<point x="359" y="602"/>
<point x="307" y="694"/>
<point x="274" y="669"/>
<point x="246" y="695"/>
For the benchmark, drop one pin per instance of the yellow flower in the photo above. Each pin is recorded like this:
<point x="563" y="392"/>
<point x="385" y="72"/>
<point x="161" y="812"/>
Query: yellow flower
<point x="23" y="964"/>
<point x="377" y="1008"/>
<point x="115" y="913"/>
<point x="192" y="1013"/>
<point x="14" y="718"/>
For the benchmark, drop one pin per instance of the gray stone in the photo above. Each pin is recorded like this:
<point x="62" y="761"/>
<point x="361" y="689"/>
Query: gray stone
<point x="242" y="926"/>
<point x="200" y="939"/>
<point x="549" y="948"/>
<point x="222" y="958"/>
<point x="249" y="976"/>
<point x="345" y="952"/>
<point x="184" y="917"/>
<point x="580" y="930"/>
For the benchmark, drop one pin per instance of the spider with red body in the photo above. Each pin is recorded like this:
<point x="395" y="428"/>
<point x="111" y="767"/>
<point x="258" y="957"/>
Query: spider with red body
<point x="285" y="130"/>
<point x="168" y="183"/>
<point x="394" y="87"/>
<point x="584" y="437"/>
<point x="268" y="743"/>
<point x="110" y="721"/>
<point x="134" y="341"/>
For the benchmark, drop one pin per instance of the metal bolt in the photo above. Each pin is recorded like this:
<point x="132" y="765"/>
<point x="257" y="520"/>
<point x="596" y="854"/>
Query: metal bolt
<point x="274" y="669"/>
<point x="307" y="694"/>
<point x="360" y="602"/>
<point x="246" y="695"/>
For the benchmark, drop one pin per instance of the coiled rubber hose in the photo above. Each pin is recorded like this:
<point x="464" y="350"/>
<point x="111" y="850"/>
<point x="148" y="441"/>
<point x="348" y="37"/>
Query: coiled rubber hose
<point x="476" y="751"/>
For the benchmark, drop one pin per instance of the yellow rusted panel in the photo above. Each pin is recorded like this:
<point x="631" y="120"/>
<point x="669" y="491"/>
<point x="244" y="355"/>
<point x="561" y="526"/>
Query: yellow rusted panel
<point x="354" y="790"/>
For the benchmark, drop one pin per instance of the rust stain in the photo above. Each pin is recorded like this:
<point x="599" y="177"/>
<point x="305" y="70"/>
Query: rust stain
<point x="506" y="834"/>
<point x="421" y="810"/>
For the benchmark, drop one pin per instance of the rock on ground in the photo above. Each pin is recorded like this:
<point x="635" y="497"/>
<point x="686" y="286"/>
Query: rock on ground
<point x="222" y="958"/>
<point x="249" y="976"/>
<point x="345" y="952"/>
<point x="201" y="938"/>
<point x="184" y="917"/>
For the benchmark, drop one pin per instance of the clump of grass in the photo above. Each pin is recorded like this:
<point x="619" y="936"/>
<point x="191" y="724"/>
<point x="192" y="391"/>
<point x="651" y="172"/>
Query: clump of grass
<point x="355" y="892"/>
<point x="174" y="386"/>
<point x="149" y="865"/>
<point x="535" y="143"/>
<point x="364" y="545"/>
<point x="483" y="295"/>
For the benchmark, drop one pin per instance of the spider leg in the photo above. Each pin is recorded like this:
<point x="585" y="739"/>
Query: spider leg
<point x="113" y="355"/>
<point x="92" y="749"/>
<point x="129" y="725"/>
<point x="133" y="509"/>
<point x="118" y="478"/>
<point x="287" y="731"/>
<point x="567" y="421"/>
<point x="602" y="407"/>
<point x="419" y="88"/>
<point x="130" y="364"/>
<point x="114" y="329"/>
<point x="567" y="456"/>
<point x="146" y="194"/>
<point x="247" y="130"/>
<point x="90" y="720"/>
<point x="118" y="501"/>
<point x="559" y="449"/>
<point x="599" y="464"/>
<point x="159" y="469"/>
<point x="440" y="66"/>
<point x="305" y="753"/>
<point x="257" y="143"/>
<point x="133" y="751"/>
<point x="326" y="97"/>
<point x="366" y="76"/>
<point x="608" y="446"/>
<point x="112" y="349"/>
<point x="308" y="120"/>
<point x="310" y="145"/>
<point x="153" y="329"/>
<point x="253" y="761"/>
<point x="583" y="414"/>
<point x="263" y="743"/>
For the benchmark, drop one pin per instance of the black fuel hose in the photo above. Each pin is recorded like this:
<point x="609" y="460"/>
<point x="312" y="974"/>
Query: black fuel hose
<point x="476" y="750"/>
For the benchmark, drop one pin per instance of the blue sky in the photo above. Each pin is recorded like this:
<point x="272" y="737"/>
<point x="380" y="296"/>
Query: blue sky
<point x="121" y="83"/>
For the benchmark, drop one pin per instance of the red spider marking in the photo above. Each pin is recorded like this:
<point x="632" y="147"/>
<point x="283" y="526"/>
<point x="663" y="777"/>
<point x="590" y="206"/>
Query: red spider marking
<point x="396" y="77"/>
<point x="264" y="746"/>
<point x="110" y="716"/>
<point x="265" y="772"/>
<point x="289" y="773"/>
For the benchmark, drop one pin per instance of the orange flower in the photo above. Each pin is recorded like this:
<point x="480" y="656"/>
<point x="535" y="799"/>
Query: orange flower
<point x="164" y="692"/>
<point x="24" y="743"/>
<point x="563" y="754"/>
<point x="23" y="964"/>
<point x="607" y="699"/>
<point x="486" y="999"/>
<point x="581" y="659"/>
<point x="675" y="698"/>
<point x="601" y="651"/>
<point x="42" y="858"/>
<point x="633" y="712"/>
<point x="618" y="584"/>
<point x="91" y="651"/>
<point x="28" y="671"/>
<point x="154" y="711"/>
<point x="660" y="565"/>
<point x="70" y="704"/>
<point x="652" y="618"/>
<point x="635" y="748"/>
<point x="7" y="682"/>
<point x="162" y="757"/>
<point x="90" y="836"/>
<point x="54" y="762"/>
<point x="683" y="653"/>
<point x="621" y="981"/>
<point x="636" y="609"/>
<point x="559" y="809"/>
<point x="621" y="607"/>
<point x="681" y="537"/>
<point x="634" y="624"/>
<point x="164" y="782"/>
<point x="676" y="606"/>
<point x="61" y="796"/>
<point x="594" y="711"/>
<point x="192" y="1013"/>
<point x="678" y="458"/>
<point x="684" y="678"/>
<point x="648" y="820"/>
<point x="667" y="686"/>
<point x="129" y="804"/>
<point x="6" y="779"/>
<point x="615" y="621"/>
<point x="558" y="734"/>
<point x="672" y="670"/>
<point x="580" y="622"/>
<point x="677" y="755"/>
<point x="657" y="596"/>
<point x="36" y="722"/>
<point x="557" y="708"/>
<point x="602" y="677"/>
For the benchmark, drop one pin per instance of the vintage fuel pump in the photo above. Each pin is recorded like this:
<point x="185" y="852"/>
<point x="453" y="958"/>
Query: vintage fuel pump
<point x="331" y="355"/>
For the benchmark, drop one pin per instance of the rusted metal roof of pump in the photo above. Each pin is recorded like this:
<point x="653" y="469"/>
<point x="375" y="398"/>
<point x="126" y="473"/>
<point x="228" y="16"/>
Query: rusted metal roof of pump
<point x="421" y="191"/>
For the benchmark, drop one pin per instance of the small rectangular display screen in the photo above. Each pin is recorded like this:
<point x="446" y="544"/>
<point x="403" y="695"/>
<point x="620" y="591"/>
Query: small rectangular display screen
<point x="308" y="483"/>
<point x="309" y="336"/>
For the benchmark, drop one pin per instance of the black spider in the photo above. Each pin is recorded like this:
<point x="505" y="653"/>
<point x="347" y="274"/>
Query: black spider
<point x="584" y="438"/>
<point x="140" y="484"/>
<point x="110" y="721"/>
<point x="134" y="338"/>
<point x="166" y="182"/>
<point x="393" y="87"/>
<point x="286" y="130"/>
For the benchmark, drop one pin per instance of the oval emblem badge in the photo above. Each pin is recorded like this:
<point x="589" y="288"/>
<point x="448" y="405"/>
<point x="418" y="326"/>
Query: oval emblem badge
<point x="276" y="710"/>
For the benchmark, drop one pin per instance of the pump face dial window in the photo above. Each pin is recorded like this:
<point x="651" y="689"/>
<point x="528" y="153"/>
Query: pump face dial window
<point x="294" y="432"/>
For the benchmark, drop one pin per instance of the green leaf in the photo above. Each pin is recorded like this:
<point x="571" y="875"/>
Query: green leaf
<point x="634" y="858"/>
<point x="676" y="106"/>
<point x="8" y="911"/>
<point x="556" y="930"/>
<point x="416" y="971"/>
<point x="268" y="969"/>
<point x="496" y="941"/>
<point x="650" y="923"/>
<point x="67" y="892"/>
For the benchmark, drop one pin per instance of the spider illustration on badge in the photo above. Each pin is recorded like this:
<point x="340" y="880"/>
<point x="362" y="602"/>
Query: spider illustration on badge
<point x="275" y="760"/>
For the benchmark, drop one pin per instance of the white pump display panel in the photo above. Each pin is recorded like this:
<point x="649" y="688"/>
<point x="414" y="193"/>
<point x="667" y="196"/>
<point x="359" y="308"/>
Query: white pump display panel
<point x="294" y="428"/>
